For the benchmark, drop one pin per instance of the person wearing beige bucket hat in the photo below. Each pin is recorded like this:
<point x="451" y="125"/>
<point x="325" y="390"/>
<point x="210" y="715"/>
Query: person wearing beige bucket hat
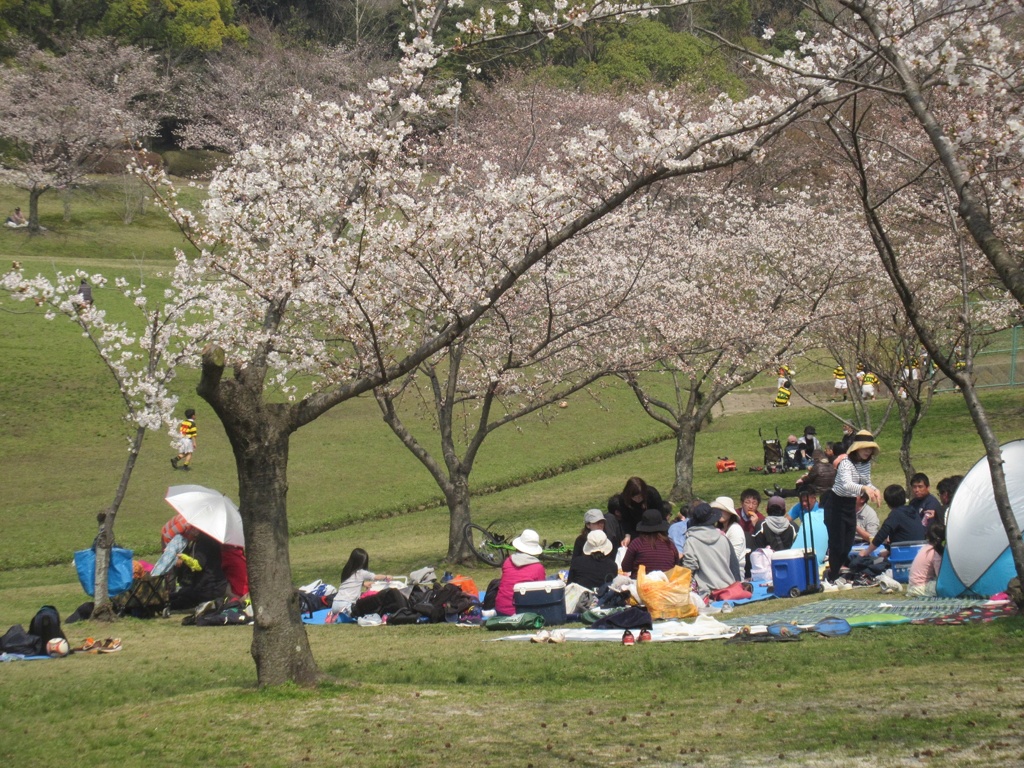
<point x="594" y="566"/>
<point x="853" y="477"/>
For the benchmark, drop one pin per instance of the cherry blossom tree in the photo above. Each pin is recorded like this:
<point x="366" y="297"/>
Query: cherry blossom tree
<point x="141" y="357"/>
<point x="751" y="278"/>
<point x="951" y="72"/>
<point x="334" y="263"/>
<point x="63" y="114"/>
<point x="566" y="323"/>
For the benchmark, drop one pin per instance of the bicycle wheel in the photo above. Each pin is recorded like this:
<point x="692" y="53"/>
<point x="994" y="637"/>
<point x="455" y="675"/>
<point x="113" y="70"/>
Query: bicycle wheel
<point x="489" y="547"/>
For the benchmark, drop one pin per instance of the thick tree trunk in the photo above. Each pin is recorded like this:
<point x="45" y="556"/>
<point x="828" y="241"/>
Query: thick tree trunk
<point x="280" y="646"/>
<point x="103" y="609"/>
<point x="686" y="441"/>
<point x="259" y="434"/>
<point x="33" y="208"/>
<point x="458" y="499"/>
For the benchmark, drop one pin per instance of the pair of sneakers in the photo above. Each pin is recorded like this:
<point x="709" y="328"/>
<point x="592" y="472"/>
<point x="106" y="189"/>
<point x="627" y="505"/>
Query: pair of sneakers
<point x="544" y="636"/>
<point x="643" y="637"/>
<point x="835" y="586"/>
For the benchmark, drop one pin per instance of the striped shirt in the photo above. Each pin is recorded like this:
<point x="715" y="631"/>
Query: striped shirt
<point x="851" y="478"/>
<point x="188" y="428"/>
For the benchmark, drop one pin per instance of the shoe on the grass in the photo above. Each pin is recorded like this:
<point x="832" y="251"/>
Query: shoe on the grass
<point x="541" y="637"/>
<point x="828" y="586"/>
<point x="627" y="638"/>
<point x="557" y="636"/>
<point x="174" y="462"/>
<point x="645" y="636"/>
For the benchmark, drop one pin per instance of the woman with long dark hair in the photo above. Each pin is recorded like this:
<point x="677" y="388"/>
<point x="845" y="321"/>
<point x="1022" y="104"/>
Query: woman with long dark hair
<point x="636" y="498"/>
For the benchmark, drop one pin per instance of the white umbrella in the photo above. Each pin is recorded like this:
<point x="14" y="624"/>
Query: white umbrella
<point x="208" y="510"/>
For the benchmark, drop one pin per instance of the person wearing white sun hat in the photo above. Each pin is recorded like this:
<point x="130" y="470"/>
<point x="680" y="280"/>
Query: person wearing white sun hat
<point x="520" y="566"/>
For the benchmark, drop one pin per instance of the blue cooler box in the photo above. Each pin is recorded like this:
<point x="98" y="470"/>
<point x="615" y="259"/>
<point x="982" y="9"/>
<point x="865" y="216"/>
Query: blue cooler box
<point x="901" y="556"/>
<point x="794" y="572"/>
<point x="546" y="598"/>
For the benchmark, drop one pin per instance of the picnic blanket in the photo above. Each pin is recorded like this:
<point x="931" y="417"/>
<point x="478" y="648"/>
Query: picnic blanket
<point x="887" y="610"/>
<point x="703" y="627"/>
<point x="759" y="592"/>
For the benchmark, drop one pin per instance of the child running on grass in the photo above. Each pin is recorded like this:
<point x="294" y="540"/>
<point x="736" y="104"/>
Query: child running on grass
<point x="187" y="443"/>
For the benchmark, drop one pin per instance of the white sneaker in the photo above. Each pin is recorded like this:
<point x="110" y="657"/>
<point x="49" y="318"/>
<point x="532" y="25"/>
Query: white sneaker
<point x="842" y="583"/>
<point x="557" y="636"/>
<point x="541" y="637"/>
<point x="828" y="586"/>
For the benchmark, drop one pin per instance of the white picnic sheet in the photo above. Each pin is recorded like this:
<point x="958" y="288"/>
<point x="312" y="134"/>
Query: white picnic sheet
<point x="701" y="628"/>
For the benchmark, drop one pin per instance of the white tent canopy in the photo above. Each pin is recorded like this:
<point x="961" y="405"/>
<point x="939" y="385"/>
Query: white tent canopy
<point x="977" y="561"/>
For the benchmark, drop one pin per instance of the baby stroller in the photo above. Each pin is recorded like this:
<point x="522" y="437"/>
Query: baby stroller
<point x="773" y="463"/>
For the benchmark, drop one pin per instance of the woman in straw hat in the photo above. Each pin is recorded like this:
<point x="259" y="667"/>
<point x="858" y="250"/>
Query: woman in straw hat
<point x="521" y="566"/>
<point x="853" y="477"/>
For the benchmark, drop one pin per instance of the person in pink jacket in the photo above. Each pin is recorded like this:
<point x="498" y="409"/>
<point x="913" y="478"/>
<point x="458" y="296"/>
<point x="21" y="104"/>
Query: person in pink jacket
<point x="522" y="566"/>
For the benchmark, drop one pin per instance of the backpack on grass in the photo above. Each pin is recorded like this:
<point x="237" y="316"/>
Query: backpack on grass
<point x="46" y="625"/>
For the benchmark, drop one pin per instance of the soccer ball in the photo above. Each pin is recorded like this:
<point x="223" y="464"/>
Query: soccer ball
<point x="58" y="646"/>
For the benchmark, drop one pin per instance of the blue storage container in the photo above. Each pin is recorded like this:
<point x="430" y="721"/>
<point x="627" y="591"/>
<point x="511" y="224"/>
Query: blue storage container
<point x="901" y="557"/>
<point x="546" y="598"/>
<point x="794" y="572"/>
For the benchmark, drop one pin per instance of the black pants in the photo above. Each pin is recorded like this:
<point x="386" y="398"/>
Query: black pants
<point x="841" y="523"/>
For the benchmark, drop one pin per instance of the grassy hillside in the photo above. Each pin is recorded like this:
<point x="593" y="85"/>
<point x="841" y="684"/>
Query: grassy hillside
<point x="443" y="695"/>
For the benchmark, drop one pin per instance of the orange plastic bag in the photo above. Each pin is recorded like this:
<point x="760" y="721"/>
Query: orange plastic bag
<point x="667" y="599"/>
<point x="467" y="585"/>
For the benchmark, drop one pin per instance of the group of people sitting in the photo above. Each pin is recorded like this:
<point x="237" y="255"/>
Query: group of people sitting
<point x="715" y="540"/>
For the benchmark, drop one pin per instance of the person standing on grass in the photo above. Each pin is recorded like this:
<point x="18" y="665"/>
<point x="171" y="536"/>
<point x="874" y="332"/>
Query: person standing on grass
<point x="187" y="442"/>
<point x="853" y="477"/>
<point x="85" y="292"/>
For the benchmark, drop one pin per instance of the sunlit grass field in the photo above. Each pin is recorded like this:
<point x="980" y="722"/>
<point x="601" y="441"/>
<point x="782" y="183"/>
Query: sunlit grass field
<point x="441" y="695"/>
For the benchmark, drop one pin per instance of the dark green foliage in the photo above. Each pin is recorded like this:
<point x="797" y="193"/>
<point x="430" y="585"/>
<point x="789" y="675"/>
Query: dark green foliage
<point x="193" y="164"/>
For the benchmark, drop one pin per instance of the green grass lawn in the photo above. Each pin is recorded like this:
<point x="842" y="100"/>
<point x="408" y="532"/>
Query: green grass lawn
<point x="443" y="695"/>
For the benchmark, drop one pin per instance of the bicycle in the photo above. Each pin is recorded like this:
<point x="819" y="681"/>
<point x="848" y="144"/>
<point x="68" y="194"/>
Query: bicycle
<point x="493" y="543"/>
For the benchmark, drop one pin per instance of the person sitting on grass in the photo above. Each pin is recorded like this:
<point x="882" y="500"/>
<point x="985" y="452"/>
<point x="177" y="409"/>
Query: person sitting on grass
<point x="818" y="478"/>
<point x="748" y="512"/>
<point x="947" y="487"/>
<point x="650" y="547"/>
<point x="729" y="524"/>
<point x="707" y="553"/>
<point x="520" y="566"/>
<point x="16" y="220"/>
<point x="902" y="524"/>
<point x="924" y="571"/>
<point x="354" y="576"/>
<point x="594" y="566"/>
<point x="921" y="498"/>
<point x="201" y="578"/>
<point x="867" y="520"/>
<point x="596" y="520"/>
<point x="775" y="531"/>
